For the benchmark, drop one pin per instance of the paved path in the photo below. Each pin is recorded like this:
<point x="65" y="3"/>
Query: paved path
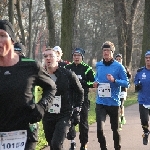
<point x="131" y="135"/>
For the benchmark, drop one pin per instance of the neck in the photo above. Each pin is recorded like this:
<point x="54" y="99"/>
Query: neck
<point x="52" y="69"/>
<point x="148" y="67"/>
<point x="107" y="59"/>
<point x="9" y="60"/>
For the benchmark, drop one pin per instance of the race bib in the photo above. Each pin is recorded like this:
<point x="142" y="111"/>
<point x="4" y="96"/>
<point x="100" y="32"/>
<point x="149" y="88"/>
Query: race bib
<point x="14" y="140"/>
<point x="146" y="106"/>
<point x="123" y="95"/>
<point x="104" y="90"/>
<point x="55" y="108"/>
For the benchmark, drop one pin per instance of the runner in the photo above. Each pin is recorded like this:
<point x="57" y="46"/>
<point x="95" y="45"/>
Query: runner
<point x="56" y="121"/>
<point x="109" y="77"/>
<point x="18" y="79"/>
<point x="61" y="62"/>
<point x="123" y="94"/>
<point x="86" y="76"/>
<point x="142" y="86"/>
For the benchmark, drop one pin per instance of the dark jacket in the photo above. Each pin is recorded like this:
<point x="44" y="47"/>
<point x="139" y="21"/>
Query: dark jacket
<point x="67" y="83"/>
<point x="17" y="108"/>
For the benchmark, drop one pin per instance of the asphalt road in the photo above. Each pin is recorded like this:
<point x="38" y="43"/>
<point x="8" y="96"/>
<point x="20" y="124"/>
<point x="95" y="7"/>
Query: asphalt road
<point x="131" y="133"/>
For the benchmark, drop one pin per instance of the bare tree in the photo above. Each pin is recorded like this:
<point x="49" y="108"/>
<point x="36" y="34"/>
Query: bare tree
<point x="125" y="28"/>
<point x="3" y="6"/>
<point x="146" y="32"/>
<point x="50" y="22"/>
<point x="19" y="14"/>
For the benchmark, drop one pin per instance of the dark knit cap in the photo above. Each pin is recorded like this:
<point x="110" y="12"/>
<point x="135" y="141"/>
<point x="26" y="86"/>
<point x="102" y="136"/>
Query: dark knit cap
<point x="79" y="50"/>
<point x="7" y="26"/>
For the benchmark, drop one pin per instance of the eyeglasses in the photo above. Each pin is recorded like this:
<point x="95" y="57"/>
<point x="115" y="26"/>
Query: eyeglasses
<point x="77" y="55"/>
<point x="51" y="56"/>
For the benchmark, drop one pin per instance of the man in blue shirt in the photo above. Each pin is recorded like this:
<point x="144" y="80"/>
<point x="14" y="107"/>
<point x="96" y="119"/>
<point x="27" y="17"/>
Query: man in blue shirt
<point x="142" y="86"/>
<point x="110" y="76"/>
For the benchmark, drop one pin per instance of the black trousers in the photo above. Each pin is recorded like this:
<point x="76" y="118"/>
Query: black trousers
<point x="30" y="145"/>
<point x="83" y="125"/>
<point x="32" y="136"/>
<point x="101" y="112"/>
<point x="144" y="116"/>
<point x="55" y="131"/>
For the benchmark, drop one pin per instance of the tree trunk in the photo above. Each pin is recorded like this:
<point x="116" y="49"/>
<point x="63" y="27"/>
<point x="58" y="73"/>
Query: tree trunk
<point x="125" y="29"/>
<point x="67" y="27"/>
<point x="51" y="24"/>
<point x="120" y="18"/>
<point x="11" y="11"/>
<point x="18" y="8"/>
<point x="30" y="30"/>
<point x="146" y="32"/>
<point x="130" y="30"/>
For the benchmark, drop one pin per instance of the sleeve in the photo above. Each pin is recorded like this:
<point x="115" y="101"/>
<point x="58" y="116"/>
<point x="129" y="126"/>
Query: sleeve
<point x="48" y="86"/>
<point x="49" y="89"/>
<point x="90" y="77"/>
<point x="136" y="78"/>
<point x="96" y="75"/>
<point x="123" y="80"/>
<point x="77" y="89"/>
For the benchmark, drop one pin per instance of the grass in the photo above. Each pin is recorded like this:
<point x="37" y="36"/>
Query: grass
<point x="131" y="99"/>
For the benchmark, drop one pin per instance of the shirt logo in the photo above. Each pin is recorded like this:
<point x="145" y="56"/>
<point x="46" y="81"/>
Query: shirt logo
<point x="143" y="75"/>
<point x="7" y="73"/>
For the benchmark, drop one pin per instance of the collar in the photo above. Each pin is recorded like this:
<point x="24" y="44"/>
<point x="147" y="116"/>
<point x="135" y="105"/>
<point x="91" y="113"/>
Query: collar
<point x="108" y="63"/>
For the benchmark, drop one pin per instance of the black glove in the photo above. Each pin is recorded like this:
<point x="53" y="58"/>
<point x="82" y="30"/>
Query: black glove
<point x="75" y="117"/>
<point x="37" y="114"/>
<point x="138" y="87"/>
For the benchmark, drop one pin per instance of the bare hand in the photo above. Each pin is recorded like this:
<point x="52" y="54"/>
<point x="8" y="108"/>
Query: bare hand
<point x="110" y="78"/>
<point x="95" y="84"/>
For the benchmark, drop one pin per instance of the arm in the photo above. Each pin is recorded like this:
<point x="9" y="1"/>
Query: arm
<point x="49" y="89"/>
<point x="123" y="79"/>
<point x="90" y="77"/>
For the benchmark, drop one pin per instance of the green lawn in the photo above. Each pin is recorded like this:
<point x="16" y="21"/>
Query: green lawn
<point x="131" y="99"/>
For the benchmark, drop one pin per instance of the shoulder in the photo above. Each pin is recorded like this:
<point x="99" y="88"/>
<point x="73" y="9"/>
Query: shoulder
<point x="24" y="61"/>
<point x="140" y="69"/>
<point x="69" y="65"/>
<point x="99" y="63"/>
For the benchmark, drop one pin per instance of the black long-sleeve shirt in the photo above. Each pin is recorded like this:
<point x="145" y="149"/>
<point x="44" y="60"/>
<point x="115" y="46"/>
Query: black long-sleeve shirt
<point x="17" y="108"/>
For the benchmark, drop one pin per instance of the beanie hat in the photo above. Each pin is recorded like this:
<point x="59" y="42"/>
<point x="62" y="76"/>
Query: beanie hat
<point x="7" y="26"/>
<point x="18" y="46"/>
<point x="79" y="50"/>
<point x="109" y="44"/>
<point x="118" y="55"/>
<point x="147" y="53"/>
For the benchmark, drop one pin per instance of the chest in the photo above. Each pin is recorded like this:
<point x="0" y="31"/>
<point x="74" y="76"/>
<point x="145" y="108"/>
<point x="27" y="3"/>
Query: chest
<point x="15" y="79"/>
<point x="80" y="71"/>
<point x="144" y="77"/>
<point x="104" y="70"/>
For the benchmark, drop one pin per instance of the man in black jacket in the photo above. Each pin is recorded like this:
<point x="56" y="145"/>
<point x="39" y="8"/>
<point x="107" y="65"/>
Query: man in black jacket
<point x="56" y="121"/>
<point x="18" y="77"/>
<point x="86" y="77"/>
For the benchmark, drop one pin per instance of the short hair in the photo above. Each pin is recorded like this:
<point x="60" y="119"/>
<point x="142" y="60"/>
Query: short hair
<point x="50" y="49"/>
<point x="108" y="44"/>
